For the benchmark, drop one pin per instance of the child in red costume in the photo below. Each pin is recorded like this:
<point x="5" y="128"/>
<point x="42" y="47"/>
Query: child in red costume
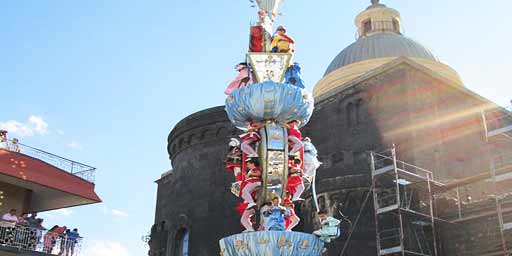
<point x="252" y="183"/>
<point x="292" y="220"/>
<point x="295" y="185"/>
<point x="294" y="137"/>
<point x="234" y="159"/>
<point x="249" y="138"/>
<point x="247" y="214"/>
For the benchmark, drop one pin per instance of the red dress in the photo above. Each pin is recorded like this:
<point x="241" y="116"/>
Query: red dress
<point x="257" y="39"/>
<point x="287" y="219"/>
<point x="253" y="176"/>
<point x="294" y="179"/>
<point x="250" y="135"/>
<point x="294" y="131"/>
<point x="234" y="160"/>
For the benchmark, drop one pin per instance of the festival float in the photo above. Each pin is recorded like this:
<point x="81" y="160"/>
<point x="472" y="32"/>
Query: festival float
<point x="271" y="162"/>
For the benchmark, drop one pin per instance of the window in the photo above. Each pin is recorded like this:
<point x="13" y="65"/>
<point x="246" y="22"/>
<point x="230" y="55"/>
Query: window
<point x="349" y="113"/>
<point x="367" y="27"/>
<point x="182" y="239"/>
<point x="359" y="112"/>
<point x="396" y="25"/>
<point x="354" y="113"/>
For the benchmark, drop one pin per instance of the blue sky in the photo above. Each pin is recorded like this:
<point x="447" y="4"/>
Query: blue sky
<point x="111" y="78"/>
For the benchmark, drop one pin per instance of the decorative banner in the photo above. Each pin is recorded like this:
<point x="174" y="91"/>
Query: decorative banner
<point x="269" y="66"/>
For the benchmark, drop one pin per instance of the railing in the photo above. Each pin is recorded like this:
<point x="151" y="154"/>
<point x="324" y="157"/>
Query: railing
<point x="83" y="171"/>
<point x="497" y="121"/>
<point x="39" y="240"/>
<point x="385" y="158"/>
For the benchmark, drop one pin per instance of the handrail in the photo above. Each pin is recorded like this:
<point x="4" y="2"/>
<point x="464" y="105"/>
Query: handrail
<point x="81" y="170"/>
<point x="38" y="240"/>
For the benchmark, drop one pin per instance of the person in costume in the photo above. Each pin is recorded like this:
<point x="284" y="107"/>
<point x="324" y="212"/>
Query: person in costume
<point x="294" y="137"/>
<point x="330" y="227"/>
<point x="257" y="40"/>
<point x="282" y="43"/>
<point x="252" y="182"/>
<point x="234" y="159"/>
<point x="242" y="79"/>
<point x="247" y="214"/>
<point x="292" y="220"/>
<point x="293" y="76"/>
<point x="264" y="219"/>
<point x="250" y="138"/>
<point x="295" y="184"/>
<point x="3" y="139"/>
<point x="276" y="215"/>
<point x="311" y="162"/>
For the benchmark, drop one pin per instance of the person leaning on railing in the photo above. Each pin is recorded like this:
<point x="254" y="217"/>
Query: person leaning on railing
<point x="7" y="226"/>
<point x="71" y="240"/>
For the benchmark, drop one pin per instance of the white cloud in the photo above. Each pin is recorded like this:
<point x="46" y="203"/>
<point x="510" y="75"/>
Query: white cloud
<point x="64" y="211"/>
<point x="34" y="126"/>
<point x="106" y="248"/>
<point x="113" y="212"/>
<point x="40" y="126"/>
<point x="118" y="213"/>
<point x="74" y="145"/>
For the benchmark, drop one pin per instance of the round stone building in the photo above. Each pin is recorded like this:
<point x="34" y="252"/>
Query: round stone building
<point x="371" y="94"/>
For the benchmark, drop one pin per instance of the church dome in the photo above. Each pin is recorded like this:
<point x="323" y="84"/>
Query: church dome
<point x="378" y="46"/>
<point x="380" y="41"/>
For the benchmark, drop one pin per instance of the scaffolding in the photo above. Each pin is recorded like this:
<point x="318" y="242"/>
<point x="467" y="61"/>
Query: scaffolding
<point x="403" y="202"/>
<point x="497" y="122"/>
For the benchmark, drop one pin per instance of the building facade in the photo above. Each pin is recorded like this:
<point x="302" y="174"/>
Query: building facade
<point x="383" y="91"/>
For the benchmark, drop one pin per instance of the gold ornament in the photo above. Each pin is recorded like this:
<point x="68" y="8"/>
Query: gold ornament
<point x="283" y="243"/>
<point x="305" y="244"/>
<point x="240" y="245"/>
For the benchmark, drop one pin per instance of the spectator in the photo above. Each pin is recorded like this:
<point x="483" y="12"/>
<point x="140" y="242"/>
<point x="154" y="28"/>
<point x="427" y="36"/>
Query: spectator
<point x="9" y="219"/>
<point x="39" y="231"/>
<point x="3" y="139"/>
<point x="7" y="225"/>
<point x="60" y="233"/>
<point x="64" y="242"/>
<point x="15" y="145"/>
<point x="50" y="239"/>
<point x="72" y="240"/>
<point x="32" y="221"/>
<point x="22" y="220"/>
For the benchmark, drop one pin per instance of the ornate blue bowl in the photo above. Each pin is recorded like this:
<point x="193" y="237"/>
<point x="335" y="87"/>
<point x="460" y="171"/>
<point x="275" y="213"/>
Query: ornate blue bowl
<point x="283" y="243"/>
<point x="269" y="100"/>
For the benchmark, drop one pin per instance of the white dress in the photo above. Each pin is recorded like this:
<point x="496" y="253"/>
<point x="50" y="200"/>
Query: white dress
<point x="311" y="162"/>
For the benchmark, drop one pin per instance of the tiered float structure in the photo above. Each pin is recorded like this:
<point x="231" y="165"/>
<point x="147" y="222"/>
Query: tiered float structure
<point x="272" y="104"/>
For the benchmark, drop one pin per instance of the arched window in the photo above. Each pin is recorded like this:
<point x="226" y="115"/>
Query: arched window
<point x="367" y="27"/>
<point x="396" y="25"/>
<point x="182" y="239"/>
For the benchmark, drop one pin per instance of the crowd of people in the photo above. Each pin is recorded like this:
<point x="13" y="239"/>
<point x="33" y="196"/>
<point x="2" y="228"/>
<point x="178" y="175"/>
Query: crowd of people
<point x="12" y="145"/>
<point x="27" y="231"/>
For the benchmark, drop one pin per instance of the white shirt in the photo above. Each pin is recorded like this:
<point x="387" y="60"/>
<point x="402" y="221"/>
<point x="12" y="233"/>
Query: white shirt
<point x="8" y="220"/>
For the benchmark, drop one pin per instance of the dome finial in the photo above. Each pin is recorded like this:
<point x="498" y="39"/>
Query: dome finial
<point x="375" y="2"/>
